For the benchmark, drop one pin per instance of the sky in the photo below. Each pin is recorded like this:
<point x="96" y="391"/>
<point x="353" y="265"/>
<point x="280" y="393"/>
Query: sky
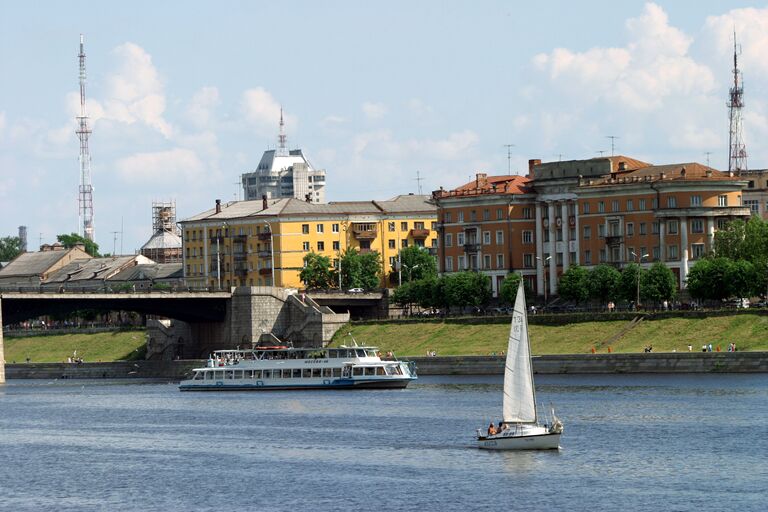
<point x="185" y="96"/>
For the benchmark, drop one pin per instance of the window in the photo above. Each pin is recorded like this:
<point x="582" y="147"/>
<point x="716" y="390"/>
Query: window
<point x="528" y="260"/>
<point x="655" y="228"/>
<point x="447" y="218"/>
<point x="672" y="227"/>
<point x="643" y="229"/>
<point x="305" y="246"/>
<point x="672" y="252"/>
<point x="460" y="216"/>
<point x="671" y="202"/>
<point x="527" y="237"/>
<point x="434" y="226"/>
<point x="459" y="239"/>
<point x="449" y="263"/>
<point x="641" y="204"/>
<point x="527" y="213"/>
<point x="630" y="205"/>
<point x="656" y="253"/>
<point x="586" y="207"/>
<point x="320" y="246"/>
<point x="391" y="225"/>
<point x="392" y="244"/>
<point x="695" y="200"/>
<point x="722" y="200"/>
<point x="305" y="229"/>
<point x="335" y="228"/>
<point x="336" y="245"/>
<point x="473" y="216"/>
<point x="418" y="225"/>
<point x="403" y="243"/>
<point x="487" y="261"/>
<point x="751" y="184"/>
<point x="601" y="207"/>
<point x="697" y="251"/>
<point x="320" y="228"/>
<point x="753" y="205"/>
<point x="697" y="226"/>
<point x="546" y="235"/>
<point x="499" y="261"/>
<point x="630" y="229"/>
<point x="486" y="238"/>
<point x="587" y="257"/>
<point x="559" y="259"/>
<point x="499" y="214"/>
<point x="587" y="232"/>
<point x="499" y="237"/>
<point x="486" y="214"/>
<point x="404" y="226"/>
<point x="601" y="230"/>
<point x="449" y="239"/>
<point x="615" y="205"/>
<point x="722" y="223"/>
<point x="462" y="261"/>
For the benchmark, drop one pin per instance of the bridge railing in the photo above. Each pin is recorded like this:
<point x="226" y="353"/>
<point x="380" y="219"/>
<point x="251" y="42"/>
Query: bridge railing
<point x="106" y="289"/>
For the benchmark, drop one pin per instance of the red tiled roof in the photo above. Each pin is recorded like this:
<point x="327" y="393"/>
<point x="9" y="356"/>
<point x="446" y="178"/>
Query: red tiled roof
<point x="483" y="184"/>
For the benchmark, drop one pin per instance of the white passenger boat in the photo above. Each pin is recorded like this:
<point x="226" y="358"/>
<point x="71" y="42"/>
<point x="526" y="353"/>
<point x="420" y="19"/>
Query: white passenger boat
<point x="520" y="428"/>
<point x="285" y="367"/>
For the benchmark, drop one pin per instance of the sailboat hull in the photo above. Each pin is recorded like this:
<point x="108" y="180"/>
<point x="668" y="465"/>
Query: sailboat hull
<point x="548" y="441"/>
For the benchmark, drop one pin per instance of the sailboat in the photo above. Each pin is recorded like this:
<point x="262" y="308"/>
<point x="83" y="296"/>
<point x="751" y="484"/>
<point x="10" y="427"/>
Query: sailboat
<point x="520" y="428"/>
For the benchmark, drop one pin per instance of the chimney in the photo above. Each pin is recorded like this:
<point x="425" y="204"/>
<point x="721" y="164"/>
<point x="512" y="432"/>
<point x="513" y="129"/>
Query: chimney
<point x="308" y="198"/>
<point x="481" y="179"/>
<point x="682" y="172"/>
<point x="531" y="164"/>
<point x="708" y="172"/>
<point x="264" y="202"/>
<point x="218" y="206"/>
<point x="80" y="245"/>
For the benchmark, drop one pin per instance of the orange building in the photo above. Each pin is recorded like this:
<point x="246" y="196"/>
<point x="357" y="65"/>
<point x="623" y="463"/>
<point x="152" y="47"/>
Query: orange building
<point x="612" y="210"/>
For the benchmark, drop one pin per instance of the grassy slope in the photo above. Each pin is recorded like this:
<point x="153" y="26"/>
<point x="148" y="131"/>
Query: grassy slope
<point x="749" y="332"/>
<point x="104" y="346"/>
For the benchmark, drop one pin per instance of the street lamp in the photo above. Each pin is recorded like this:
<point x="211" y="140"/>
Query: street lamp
<point x="271" y="250"/>
<point x="410" y="270"/>
<point x="639" y="259"/>
<point x="545" y="264"/>
<point x="218" y="257"/>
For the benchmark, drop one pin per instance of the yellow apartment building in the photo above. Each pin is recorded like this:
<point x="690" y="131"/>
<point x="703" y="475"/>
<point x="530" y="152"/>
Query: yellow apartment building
<point x="258" y="243"/>
<point x="614" y="210"/>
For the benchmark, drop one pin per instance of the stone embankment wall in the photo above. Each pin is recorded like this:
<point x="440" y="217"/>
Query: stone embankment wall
<point x="695" y="362"/>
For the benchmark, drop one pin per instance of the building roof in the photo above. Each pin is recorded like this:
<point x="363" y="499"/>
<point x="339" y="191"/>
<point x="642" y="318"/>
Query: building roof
<point x="290" y="206"/>
<point x="689" y="171"/>
<point x="163" y="240"/>
<point x="94" y="268"/>
<point x="150" y="271"/>
<point x="484" y="184"/>
<point x="38" y="263"/>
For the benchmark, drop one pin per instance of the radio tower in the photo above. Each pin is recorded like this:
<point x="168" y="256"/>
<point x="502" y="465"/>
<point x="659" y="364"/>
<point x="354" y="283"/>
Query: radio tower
<point x="737" y="151"/>
<point x="281" y="138"/>
<point x="85" y="196"/>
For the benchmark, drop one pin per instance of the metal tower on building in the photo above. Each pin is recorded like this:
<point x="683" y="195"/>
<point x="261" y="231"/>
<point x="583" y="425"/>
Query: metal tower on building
<point x="85" y="196"/>
<point x="281" y="137"/>
<point x="737" y="150"/>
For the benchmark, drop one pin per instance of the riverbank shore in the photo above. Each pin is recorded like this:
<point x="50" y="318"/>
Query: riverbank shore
<point x="669" y="362"/>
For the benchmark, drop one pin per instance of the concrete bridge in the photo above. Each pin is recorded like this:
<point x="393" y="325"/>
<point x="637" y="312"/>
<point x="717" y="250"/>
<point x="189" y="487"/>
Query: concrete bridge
<point x="193" y="323"/>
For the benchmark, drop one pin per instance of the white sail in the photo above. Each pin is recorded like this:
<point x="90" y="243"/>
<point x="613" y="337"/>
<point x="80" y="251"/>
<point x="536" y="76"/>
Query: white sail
<point x="519" y="400"/>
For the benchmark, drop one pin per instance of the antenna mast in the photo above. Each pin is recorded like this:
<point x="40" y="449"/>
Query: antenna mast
<point x="737" y="150"/>
<point x="85" y="196"/>
<point x="281" y="138"/>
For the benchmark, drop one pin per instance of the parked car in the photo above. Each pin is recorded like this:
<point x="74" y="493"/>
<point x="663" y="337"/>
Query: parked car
<point x="355" y="290"/>
<point x="739" y="303"/>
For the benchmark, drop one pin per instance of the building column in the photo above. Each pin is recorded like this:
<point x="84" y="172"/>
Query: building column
<point x="683" y="251"/>
<point x="662" y="250"/>
<point x="564" y="230"/>
<point x="710" y="234"/>
<point x="576" y="245"/>
<point x="206" y="271"/>
<point x="539" y="252"/>
<point x="552" y="249"/>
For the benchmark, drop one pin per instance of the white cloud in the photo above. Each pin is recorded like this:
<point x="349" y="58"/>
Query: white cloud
<point x="262" y="111"/>
<point x="2" y="123"/>
<point x="200" y="110"/>
<point x="751" y="26"/>
<point x="374" y="110"/>
<point x="381" y="144"/>
<point x="653" y="66"/>
<point x="161" y="166"/>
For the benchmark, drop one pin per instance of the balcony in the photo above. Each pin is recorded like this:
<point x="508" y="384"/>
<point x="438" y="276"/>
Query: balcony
<point x="471" y="247"/>
<point x="614" y="240"/>
<point x="265" y="236"/>
<point x="265" y="254"/>
<point x="419" y="234"/>
<point x="364" y="231"/>
<point x="265" y="271"/>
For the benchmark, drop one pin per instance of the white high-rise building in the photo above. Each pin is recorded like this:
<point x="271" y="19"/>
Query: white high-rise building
<point x="282" y="173"/>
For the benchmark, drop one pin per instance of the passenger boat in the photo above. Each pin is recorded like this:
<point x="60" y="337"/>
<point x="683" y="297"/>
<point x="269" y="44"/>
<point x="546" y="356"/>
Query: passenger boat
<point x="286" y="367"/>
<point x="520" y="428"/>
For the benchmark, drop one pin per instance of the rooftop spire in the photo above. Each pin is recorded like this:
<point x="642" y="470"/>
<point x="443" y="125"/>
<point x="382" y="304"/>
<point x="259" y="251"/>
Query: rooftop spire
<point x="281" y="138"/>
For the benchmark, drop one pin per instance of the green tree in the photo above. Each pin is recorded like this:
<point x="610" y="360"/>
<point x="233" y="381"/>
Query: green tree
<point x="627" y="289"/>
<point x="658" y="283"/>
<point x="417" y="263"/>
<point x="463" y="289"/>
<point x="742" y="279"/>
<point x="370" y="270"/>
<point x="708" y="279"/>
<point x="351" y="269"/>
<point x="10" y="247"/>
<point x="508" y="291"/>
<point x="69" y="241"/>
<point x="317" y="271"/>
<point x="574" y="284"/>
<point x="604" y="283"/>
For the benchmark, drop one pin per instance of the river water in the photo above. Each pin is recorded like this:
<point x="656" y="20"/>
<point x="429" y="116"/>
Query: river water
<point x="690" y="442"/>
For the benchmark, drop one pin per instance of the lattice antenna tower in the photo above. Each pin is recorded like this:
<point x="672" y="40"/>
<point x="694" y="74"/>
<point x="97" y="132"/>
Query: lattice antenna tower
<point x="737" y="150"/>
<point x="85" y="196"/>
<point x="282" y="149"/>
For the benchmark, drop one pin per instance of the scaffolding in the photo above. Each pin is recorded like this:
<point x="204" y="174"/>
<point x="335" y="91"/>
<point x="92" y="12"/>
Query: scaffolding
<point x="165" y="244"/>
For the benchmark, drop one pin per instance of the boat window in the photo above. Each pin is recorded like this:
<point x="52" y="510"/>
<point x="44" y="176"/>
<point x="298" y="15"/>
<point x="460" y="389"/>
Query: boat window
<point x="248" y="374"/>
<point x="238" y="374"/>
<point x="218" y="375"/>
<point x="316" y="372"/>
<point x="371" y="353"/>
<point x="198" y="376"/>
<point x="333" y="354"/>
<point x="337" y="372"/>
<point x="380" y="370"/>
<point x="266" y="374"/>
<point x="229" y="374"/>
<point x="306" y="373"/>
<point x="327" y="372"/>
<point x="357" y="372"/>
<point x="370" y="370"/>
<point x="256" y="374"/>
<point x="360" y="353"/>
<point x="208" y="375"/>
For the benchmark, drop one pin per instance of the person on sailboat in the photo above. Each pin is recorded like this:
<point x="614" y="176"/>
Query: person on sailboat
<point x="491" y="429"/>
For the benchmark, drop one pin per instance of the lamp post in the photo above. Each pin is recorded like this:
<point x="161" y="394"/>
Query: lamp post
<point x="639" y="259"/>
<point x="410" y="270"/>
<point x="545" y="264"/>
<point x="343" y="227"/>
<point x="271" y="250"/>
<point x="218" y="258"/>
